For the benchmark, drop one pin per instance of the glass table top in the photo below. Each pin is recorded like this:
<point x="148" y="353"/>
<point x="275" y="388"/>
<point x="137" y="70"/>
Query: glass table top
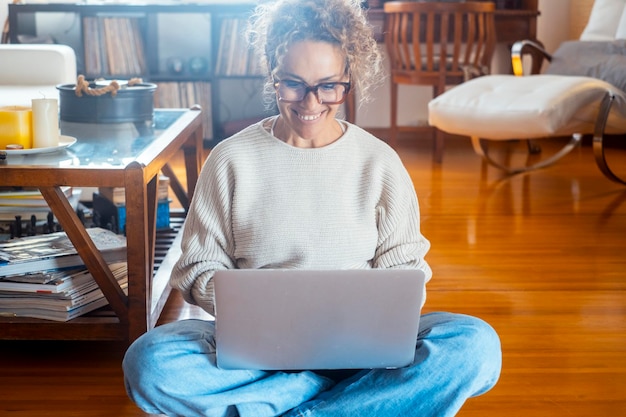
<point x="100" y="145"/>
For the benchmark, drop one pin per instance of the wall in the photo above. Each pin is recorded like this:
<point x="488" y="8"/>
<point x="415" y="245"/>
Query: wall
<point x="579" y="13"/>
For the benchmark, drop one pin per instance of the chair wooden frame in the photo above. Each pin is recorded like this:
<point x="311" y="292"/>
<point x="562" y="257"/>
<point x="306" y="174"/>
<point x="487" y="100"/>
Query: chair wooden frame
<point x="438" y="44"/>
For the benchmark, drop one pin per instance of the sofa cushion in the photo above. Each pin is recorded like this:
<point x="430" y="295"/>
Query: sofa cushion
<point x="37" y="64"/>
<point x="621" y="27"/>
<point x="503" y="107"/>
<point x="34" y="71"/>
<point x="606" y="21"/>
<point x="603" y="60"/>
<point x="22" y="95"/>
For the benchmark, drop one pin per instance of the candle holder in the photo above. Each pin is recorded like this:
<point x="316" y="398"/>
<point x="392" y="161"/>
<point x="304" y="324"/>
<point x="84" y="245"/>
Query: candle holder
<point x="16" y="127"/>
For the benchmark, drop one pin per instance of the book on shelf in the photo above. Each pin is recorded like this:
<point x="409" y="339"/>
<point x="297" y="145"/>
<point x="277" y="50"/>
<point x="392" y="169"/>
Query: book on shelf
<point x="81" y="297"/>
<point x="83" y="289"/>
<point x="94" y="59"/>
<point x="48" y="282"/>
<point x="39" y="208"/>
<point x="113" y="45"/>
<point x="40" y="277"/>
<point x="117" y="195"/>
<point x="9" y="213"/>
<point x="234" y="57"/>
<point x="27" y="197"/>
<point x="54" y="251"/>
<point x="185" y="94"/>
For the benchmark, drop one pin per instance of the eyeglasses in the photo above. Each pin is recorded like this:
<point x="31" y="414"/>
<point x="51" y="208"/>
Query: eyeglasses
<point x="291" y="91"/>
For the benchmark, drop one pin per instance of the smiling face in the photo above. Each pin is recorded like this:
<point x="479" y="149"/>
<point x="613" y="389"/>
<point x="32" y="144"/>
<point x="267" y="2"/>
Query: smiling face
<point x="309" y="123"/>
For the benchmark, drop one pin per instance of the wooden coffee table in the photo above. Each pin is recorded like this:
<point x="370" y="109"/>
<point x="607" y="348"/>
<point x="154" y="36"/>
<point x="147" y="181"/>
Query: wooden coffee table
<point x="130" y="155"/>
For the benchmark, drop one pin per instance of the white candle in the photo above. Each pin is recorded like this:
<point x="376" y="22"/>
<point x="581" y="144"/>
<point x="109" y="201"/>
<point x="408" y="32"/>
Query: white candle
<point x="45" y="122"/>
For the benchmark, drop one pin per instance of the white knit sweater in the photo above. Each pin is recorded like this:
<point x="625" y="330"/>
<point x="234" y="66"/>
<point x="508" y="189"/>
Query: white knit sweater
<point x="261" y="203"/>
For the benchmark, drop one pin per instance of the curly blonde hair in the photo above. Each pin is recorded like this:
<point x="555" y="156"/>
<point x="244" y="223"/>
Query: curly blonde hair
<point x="276" y="25"/>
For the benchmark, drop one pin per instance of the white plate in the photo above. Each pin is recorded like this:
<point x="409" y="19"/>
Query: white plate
<point x="64" y="142"/>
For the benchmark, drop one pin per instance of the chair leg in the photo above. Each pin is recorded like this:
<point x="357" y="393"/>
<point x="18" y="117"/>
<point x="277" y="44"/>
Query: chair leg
<point x="393" y="131"/>
<point x="533" y="147"/>
<point x="598" y="139"/>
<point x="438" y="146"/>
<point x="481" y="149"/>
<point x="438" y="134"/>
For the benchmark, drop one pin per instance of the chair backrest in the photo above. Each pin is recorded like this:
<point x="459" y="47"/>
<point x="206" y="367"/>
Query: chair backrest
<point x="439" y="43"/>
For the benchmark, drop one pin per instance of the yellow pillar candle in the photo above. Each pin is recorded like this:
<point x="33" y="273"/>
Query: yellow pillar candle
<point x="16" y="126"/>
<point x="45" y="122"/>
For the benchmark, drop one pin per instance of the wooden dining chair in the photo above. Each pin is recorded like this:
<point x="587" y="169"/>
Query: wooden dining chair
<point x="439" y="44"/>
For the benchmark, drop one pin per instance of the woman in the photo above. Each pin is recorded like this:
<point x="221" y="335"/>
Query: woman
<point x="306" y="190"/>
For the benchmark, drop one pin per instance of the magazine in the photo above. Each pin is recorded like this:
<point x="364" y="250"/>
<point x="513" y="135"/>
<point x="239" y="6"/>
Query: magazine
<point x="76" y="300"/>
<point x="54" y="251"/>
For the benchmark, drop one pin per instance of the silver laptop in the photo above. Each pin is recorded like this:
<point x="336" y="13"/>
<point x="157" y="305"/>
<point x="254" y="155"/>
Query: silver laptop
<point x="303" y="319"/>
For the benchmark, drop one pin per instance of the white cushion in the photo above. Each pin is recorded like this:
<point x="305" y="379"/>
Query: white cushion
<point x="509" y="107"/>
<point x="621" y="27"/>
<point x="605" y="19"/>
<point x="23" y="94"/>
<point x="30" y="71"/>
<point x="37" y="64"/>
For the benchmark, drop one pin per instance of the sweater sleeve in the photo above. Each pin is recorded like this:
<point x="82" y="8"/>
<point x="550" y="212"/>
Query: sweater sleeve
<point x="400" y="241"/>
<point x="207" y="243"/>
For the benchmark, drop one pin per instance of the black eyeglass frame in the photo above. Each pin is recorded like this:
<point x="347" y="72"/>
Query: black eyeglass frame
<point x="313" y="89"/>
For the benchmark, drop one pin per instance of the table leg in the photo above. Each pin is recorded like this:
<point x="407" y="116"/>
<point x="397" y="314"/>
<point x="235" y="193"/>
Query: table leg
<point x="176" y="186"/>
<point x="192" y="150"/>
<point x="87" y="250"/>
<point x="193" y="159"/>
<point x="138" y="232"/>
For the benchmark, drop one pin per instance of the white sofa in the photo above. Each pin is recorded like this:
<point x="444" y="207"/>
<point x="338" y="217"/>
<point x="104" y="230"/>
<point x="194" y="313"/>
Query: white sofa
<point x="33" y="70"/>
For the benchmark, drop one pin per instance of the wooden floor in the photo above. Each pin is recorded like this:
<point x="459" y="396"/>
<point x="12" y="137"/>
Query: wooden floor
<point x="540" y="256"/>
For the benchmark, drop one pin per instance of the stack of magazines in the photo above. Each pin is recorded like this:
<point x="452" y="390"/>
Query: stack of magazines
<point x="27" y="202"/>
<point x="44" y="277"/>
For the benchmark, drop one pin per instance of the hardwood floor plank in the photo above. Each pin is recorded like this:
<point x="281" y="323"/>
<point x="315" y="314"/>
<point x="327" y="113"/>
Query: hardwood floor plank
<point x="539" y="256"/>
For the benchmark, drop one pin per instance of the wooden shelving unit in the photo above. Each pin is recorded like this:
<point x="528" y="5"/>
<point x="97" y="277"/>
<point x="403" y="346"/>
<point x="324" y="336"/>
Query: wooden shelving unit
<point x="193" y="52"/>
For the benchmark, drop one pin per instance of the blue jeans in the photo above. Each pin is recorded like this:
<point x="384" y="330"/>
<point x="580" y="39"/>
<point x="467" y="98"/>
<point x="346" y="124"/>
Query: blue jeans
<point x="171" y="370"/>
